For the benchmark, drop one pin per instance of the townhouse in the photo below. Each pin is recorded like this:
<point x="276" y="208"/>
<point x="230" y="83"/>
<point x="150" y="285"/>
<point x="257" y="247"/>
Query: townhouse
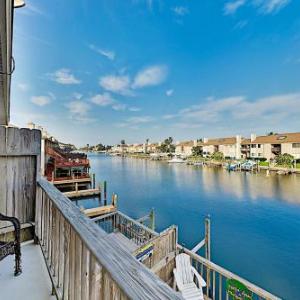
<point x="185" y="148"/>
<point x="269" y="146"/>
<point x="229" y="146"/>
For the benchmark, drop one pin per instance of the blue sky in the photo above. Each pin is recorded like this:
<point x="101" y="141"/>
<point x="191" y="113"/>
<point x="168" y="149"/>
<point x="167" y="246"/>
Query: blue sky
<point x="100" y="71"/>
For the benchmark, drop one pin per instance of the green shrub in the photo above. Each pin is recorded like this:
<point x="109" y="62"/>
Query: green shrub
<point x="217" y="155"/>
<point x="264" y="163"/>
<point x="284" y="160"/>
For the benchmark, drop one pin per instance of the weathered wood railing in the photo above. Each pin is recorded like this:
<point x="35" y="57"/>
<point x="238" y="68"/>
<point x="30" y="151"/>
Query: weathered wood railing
<point x="83" y="261"/>
<point x="218" y="277"/>
<point x="129" y="227"/>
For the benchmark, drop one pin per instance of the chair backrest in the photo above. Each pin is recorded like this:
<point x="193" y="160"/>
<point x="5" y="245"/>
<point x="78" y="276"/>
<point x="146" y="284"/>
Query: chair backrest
<point x="183" y="266"/>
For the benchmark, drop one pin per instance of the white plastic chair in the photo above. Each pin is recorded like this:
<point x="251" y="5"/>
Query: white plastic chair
<point x="184" y="275"/>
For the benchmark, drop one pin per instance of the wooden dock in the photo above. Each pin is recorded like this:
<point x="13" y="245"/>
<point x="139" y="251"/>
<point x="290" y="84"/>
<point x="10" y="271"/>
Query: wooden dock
<point x="101" y="210"/>
<point x="82" y="193"/>
<point x="72" y="181"/>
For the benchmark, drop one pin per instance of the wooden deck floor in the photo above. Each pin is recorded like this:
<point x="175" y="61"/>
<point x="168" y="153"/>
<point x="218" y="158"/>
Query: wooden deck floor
<point x="123" y="241"/>
<point x="33" y="284"/>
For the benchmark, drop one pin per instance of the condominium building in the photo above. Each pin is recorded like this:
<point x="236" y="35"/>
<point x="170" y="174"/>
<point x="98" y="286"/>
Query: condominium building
<point x="185" y="148"/>
<point x="229" y="146"/>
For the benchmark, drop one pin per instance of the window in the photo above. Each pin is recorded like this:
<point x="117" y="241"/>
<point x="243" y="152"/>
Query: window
<point x="259" y="145"/>
<point x="252" y="154"/>
<point x="259" y="154"/>
<point x="253" y="146"/>
<point x="296" y="145"/>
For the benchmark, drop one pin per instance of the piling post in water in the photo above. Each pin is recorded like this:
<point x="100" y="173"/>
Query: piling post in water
<point x="152" y="219"/>
<point x="104" y="190"/>
<point x="100" y="194"/>
<point x="207" y="251"/>
<point x="94" y="181"/>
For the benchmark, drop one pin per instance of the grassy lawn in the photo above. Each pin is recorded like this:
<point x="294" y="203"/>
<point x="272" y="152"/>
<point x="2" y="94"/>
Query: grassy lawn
<point x="264" y="163"/>
<point x="298" y="166"/>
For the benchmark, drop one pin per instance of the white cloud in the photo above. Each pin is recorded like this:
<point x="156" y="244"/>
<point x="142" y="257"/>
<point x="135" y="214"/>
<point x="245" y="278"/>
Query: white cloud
<point x="24" y="87"/>
<point x="180" y="10"/>
<point x="103" y="99"/>
<point x="263" y="6"/>
<point x="106" y="53"/>
<point x="77" y="96"/>
<point x="106" y="99"/>
<point x="41" y="100"/>
<point x="64" y="76"/>
<point x="271" y="6"/>
<point x="150" y="76"/>
<point x="169" y="92"/>
<point x="134" y="122"/>
<point x="139" y="120"/>
<point x="134" y="109"/>
<point x="231" y="7"/>
<point x="119" y="106"/>
<point x="275" y="111"/>
<point x="116" y="84"/>
<point x="79" y="111"/>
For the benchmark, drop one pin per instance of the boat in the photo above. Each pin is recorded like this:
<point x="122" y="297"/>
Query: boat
<point x="248" y="165"/>
<point x="176" y="160"/>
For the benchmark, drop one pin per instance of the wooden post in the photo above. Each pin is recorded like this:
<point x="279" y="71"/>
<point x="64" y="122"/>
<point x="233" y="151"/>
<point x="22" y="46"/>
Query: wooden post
<point x="52" y="176"/>
<point x="152" y="219"/>
<point x="76" y="186"/>
<point x="94" y="181"/>
<point x="115" y="200"/>
<point x="105" y="194"/>
<point x="207" y="251"/>
<point x="100" y="194"/>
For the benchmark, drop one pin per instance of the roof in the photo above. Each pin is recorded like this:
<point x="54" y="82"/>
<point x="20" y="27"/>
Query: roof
<point x="246" y="141"/>
<point x="186" y="143"/>
<point x="6" y="17"/>
<point x="278" y="138"/>
<point x="220" y="141"/>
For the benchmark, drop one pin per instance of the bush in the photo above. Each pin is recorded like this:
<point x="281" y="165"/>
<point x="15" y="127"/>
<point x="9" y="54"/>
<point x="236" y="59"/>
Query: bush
<point x="264" y="163"/>
<point x="217" y="155"/>
<point x="284" y="159"/>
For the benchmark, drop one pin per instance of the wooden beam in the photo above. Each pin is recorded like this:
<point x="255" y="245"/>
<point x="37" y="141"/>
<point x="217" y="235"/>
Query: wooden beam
<point x="98" y="211"/>
<point x="199" y="246"/>
<point x="82" y="193"/>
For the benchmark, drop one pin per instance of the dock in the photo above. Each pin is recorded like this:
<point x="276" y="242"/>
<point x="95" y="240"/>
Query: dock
<point x="83" y="193"/>
<point x="72" y="181"/>
<point x="98" y="211"/>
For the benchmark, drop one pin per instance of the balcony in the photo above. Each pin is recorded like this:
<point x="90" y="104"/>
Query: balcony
<point x="276" y="149"/>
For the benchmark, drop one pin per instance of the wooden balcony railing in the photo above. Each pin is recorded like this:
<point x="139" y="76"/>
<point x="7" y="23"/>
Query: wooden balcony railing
<point x="217" y="278"/>
<point x="83" y="261"/>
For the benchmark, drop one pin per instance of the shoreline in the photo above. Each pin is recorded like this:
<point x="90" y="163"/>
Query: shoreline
<point x="196" y="161"/>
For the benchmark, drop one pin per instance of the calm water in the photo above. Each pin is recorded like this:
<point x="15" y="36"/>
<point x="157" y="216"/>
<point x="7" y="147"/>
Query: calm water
<point x="255" y="219"/>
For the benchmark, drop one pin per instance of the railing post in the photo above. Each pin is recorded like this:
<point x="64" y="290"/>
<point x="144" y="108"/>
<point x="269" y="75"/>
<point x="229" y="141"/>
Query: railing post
<point x="152" y="219"/>
<point x="207" y="252"/>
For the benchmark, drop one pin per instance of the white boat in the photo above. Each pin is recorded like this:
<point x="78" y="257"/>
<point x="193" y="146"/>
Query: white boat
<point x="176" y="160"/>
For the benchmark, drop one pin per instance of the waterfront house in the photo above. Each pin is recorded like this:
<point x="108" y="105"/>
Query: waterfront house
<point x="229" y="146"/>
<point x="185" y="148"/>
<point x="270" y="146"/>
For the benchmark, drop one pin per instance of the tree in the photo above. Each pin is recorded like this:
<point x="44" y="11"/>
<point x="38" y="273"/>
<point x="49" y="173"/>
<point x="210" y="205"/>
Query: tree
<point x="217" y="155"/>
<point x="284" y="159"/>
<point x="122" y="142"/>
<point x="167" y="146"/>
<point x="197" y="151"/>
<point x="271" y="133"/>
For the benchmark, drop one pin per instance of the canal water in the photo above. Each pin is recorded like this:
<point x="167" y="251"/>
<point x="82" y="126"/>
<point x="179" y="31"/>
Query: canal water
<point x="255" y="219"/>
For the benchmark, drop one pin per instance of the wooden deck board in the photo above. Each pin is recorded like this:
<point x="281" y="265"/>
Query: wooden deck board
<point x="127" y="244"/>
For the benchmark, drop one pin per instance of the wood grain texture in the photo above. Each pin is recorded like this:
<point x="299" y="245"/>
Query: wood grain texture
<point x="111" y="268"/>
<point x="19" y="155"/>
